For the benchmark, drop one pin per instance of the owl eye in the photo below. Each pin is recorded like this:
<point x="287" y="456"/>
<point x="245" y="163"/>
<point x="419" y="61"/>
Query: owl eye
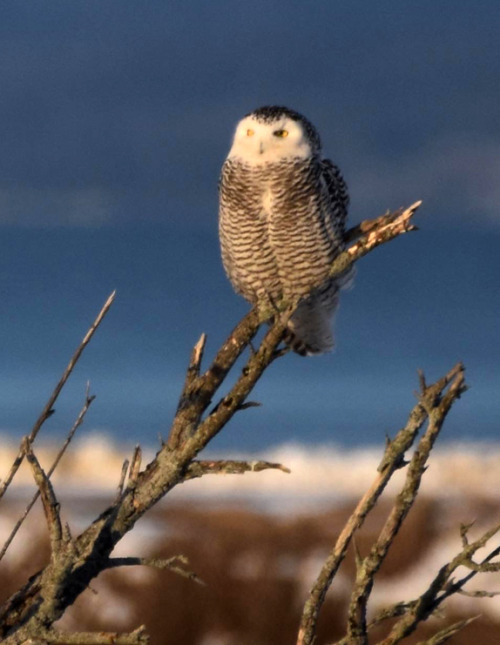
<point x="281" y="133"/>
<point x="250" y="132"/>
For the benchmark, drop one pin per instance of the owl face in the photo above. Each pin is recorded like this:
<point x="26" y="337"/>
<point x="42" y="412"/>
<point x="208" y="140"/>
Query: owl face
<point x="272" y="134"/>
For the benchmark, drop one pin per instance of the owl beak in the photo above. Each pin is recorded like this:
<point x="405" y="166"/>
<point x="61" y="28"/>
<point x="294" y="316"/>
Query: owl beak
<point x="261" y="147"/>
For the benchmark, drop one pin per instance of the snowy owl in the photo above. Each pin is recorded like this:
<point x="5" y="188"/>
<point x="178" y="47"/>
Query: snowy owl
<point x="282" y="219"/>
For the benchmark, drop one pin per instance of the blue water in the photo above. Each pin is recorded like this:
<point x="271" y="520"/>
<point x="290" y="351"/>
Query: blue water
<point x="411" y="307"/>
<point x="115" y="119"/>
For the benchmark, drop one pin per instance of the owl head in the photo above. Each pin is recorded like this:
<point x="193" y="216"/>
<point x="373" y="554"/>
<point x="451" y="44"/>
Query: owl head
<point x="272" y="134"/>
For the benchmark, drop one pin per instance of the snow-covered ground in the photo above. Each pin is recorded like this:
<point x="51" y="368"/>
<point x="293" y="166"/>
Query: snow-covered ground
<point x="320" y="475"/>
<point x="461" y="485"/>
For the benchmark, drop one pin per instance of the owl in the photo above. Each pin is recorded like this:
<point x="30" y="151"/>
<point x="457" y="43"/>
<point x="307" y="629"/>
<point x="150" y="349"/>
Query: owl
<point x="282" y="217"/>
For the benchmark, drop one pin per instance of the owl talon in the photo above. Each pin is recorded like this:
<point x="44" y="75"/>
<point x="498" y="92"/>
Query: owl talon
<point x="281" y="351"/>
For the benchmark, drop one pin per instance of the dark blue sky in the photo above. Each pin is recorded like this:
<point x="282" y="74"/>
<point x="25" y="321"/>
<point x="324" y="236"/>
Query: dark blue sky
<point x="115" y="118"/>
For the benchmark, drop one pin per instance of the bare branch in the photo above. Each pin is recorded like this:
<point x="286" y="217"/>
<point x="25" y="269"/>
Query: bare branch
<point x="49" y="501"/>
<point x="439" y="590"/>
<point x="363" y="227"/>
<point x="437" y="411"/>
<point x="48" y="409"/>
<point x="382" y="229"/>
<point x="193" y="370"/>
<point x="137" y="637"/>
<point x="197" y="356"/>
<point x="445" y="634"/>
<point x="121" y="483"/>
<point x="198" y="393"/>
<point x="229" y="467"/>
<point x="465" y="558"/>
<point x="135" y="465"/>
<point x="172" y="564"/>
<point x="190" y="433"/>
<point x="71" y="365"/>
<point x="392" y="460"/>
<point x="79" y="420"/>
<point x="398" y="609"/>
<point x="478" y="593"/>
<point x="132" y="471"/>
<point x="13" y="470"/>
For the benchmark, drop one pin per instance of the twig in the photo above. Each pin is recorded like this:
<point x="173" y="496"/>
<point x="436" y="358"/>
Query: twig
<point x="465" y="558"/>
<point x="49" y="501"/>
<point x="133" y="472"/>
<point x="89" y="399"/>
<point x="394" y="611"/>
<point x="198" y="393"/>
<point x="193" y="371"/>
<point x="74" y="359"/>
<point x="196" y="357"/>
<point x="478" y="593"/>
<point x="135" y="465"/>
<point x="137" y="637"/>
<point x="398" y="609"/>
<point x="437" y="411"/>
<point x="172" y="564"/>
<point x="439" y="590"/>
<point x="48" y="409"/>
<point x="379" y="231"/>
<point x="392" y="460"/>
<point x="79" y="420"/>
<point x="230" y="467"/>
<point x="232" y="402"/>
<point x="13" y="470"/>
<point x="362" y="228"/>
<point x="121" y="483"/>
<point x="445" y="634"/>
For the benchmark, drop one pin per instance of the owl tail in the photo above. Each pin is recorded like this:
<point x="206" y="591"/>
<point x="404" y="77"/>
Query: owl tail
<point x="309" y="330"/>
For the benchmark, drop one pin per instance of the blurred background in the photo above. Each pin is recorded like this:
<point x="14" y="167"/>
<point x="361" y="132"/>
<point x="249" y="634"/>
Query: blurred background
<point x="115" y="118"/>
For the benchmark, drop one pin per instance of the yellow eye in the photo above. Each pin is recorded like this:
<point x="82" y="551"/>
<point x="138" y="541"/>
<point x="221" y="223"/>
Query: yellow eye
<point x="250" y="133"/>
<point x="281" y="133"/>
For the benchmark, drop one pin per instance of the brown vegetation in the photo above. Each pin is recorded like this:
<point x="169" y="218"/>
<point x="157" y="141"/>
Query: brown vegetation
<point x="257" y="569"/>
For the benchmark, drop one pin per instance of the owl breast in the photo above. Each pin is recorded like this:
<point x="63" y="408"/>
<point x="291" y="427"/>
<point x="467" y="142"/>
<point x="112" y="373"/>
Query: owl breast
<point x="274" y="228"/>
<point x="282" y="214"/>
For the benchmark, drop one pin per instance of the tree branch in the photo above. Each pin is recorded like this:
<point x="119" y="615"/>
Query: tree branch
<point x="392" y="460"/>
<point x="445" y="634"/>
<point x="49" y="501"/>
<point x="437" y="408"/>
<point x="440" y="589"/>
<point x="230" y="467"/>
<point x="79" y="420"/>
<point x="41" y="602"/>
<point x="137" y="637"/>
<point x="172" y="564"/>
<point x="48" y="409"/>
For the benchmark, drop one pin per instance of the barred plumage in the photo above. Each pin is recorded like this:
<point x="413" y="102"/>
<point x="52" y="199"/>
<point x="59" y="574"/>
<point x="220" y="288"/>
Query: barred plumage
<point x="282" y="221"/>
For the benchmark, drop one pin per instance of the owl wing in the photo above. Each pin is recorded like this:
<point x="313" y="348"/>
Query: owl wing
<point x="338" y="196"/>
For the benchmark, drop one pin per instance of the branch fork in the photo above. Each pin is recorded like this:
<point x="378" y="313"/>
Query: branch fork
<point x="32" y="611"/>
